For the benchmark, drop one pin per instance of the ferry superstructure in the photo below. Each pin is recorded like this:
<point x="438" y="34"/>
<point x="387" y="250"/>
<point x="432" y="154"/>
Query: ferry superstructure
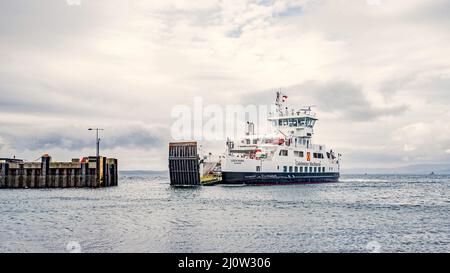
<point x="287" y="155"/>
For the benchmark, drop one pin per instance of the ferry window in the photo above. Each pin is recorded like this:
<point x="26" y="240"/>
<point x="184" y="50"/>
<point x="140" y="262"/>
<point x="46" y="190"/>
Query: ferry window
<point x="323" y="169"/>
<point x="290" y="169"/>
<point x="314" y="155"/>
<point x="278" y="167"/>
<point x="310" y="169"/>
<point x="301" y="169"/>
<point x="296" y="169"/>
<point x="283" y="152"/>
<point x="295" y="122"/>
<point x="328" y="155"/>
<point x="285" y="122"/>
<point x="285" y="169"/>
<point x="315" y="169"/>
<point x="258" y="168"/>
<point x="298" y="153"/>
<point x="255" y="141"/>
<point x="280" y="122"/>
<point x="310" y="123"/>
<point x="302" y="122"/>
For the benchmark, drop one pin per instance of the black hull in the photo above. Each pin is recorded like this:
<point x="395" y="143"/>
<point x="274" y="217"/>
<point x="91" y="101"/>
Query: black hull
<point x="249" y="178"/>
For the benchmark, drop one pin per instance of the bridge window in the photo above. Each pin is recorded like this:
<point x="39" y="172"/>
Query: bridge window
<point x="283" y="152"/>
<point x="318" y="155"/>
<point x="302" y="122"/>
<point x="310" y="122"/>
<point x="294" y="122"/>
<point x="298" y="153"/>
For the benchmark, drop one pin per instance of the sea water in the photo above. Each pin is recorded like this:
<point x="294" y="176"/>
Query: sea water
<point x="362" y="213"/>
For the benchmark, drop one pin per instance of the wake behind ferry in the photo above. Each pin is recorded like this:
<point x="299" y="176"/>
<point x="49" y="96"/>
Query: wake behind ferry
<point x="287" y="155"/>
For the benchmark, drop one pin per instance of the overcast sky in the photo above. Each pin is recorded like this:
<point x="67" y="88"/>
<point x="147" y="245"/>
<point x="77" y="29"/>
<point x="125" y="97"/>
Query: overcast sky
<point x="378" y="71"/>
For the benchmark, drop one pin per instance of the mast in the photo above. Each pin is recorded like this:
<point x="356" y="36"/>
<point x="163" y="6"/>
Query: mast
<point x="279" y="102"/>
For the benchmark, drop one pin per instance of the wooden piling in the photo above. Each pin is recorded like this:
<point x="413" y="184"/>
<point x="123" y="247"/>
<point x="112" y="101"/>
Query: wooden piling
<point x="3" y="174"/>
<point x="33" y="178"/>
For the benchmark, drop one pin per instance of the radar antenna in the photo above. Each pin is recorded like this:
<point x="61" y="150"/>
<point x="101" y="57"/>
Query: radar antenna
<point x="307" y="109"/>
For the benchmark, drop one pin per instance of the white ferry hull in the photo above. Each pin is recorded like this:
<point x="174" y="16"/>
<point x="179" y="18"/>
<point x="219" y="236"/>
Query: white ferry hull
<point x="252" y="178"/>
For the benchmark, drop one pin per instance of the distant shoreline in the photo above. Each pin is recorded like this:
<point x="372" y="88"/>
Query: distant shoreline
<point x="343" y="172"/>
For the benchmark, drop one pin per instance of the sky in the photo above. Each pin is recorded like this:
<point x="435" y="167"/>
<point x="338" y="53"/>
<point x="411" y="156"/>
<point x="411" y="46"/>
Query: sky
<point x="377" y="70"/>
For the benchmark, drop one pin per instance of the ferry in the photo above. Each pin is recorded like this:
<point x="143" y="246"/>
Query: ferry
<point x="286" y="155"/>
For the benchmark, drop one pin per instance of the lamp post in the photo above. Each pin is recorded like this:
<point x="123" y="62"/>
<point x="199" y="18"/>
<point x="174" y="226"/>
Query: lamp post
<point x="97" y="139"/>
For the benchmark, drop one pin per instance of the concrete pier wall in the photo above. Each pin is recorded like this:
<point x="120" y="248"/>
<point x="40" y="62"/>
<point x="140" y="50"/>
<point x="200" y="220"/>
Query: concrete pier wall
<point x="90" y="172"/>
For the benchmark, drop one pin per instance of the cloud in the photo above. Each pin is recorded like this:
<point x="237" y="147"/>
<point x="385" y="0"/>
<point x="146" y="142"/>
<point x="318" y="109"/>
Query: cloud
<point x="343" y="98"/>
<point x="425" y="140"/>
<point x="348" y="100"/>
<point x="138" y="138"/>
<point x="73" y="138"/>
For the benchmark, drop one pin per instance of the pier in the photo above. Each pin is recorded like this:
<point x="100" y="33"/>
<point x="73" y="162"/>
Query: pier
<point x="87" y="172"/>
